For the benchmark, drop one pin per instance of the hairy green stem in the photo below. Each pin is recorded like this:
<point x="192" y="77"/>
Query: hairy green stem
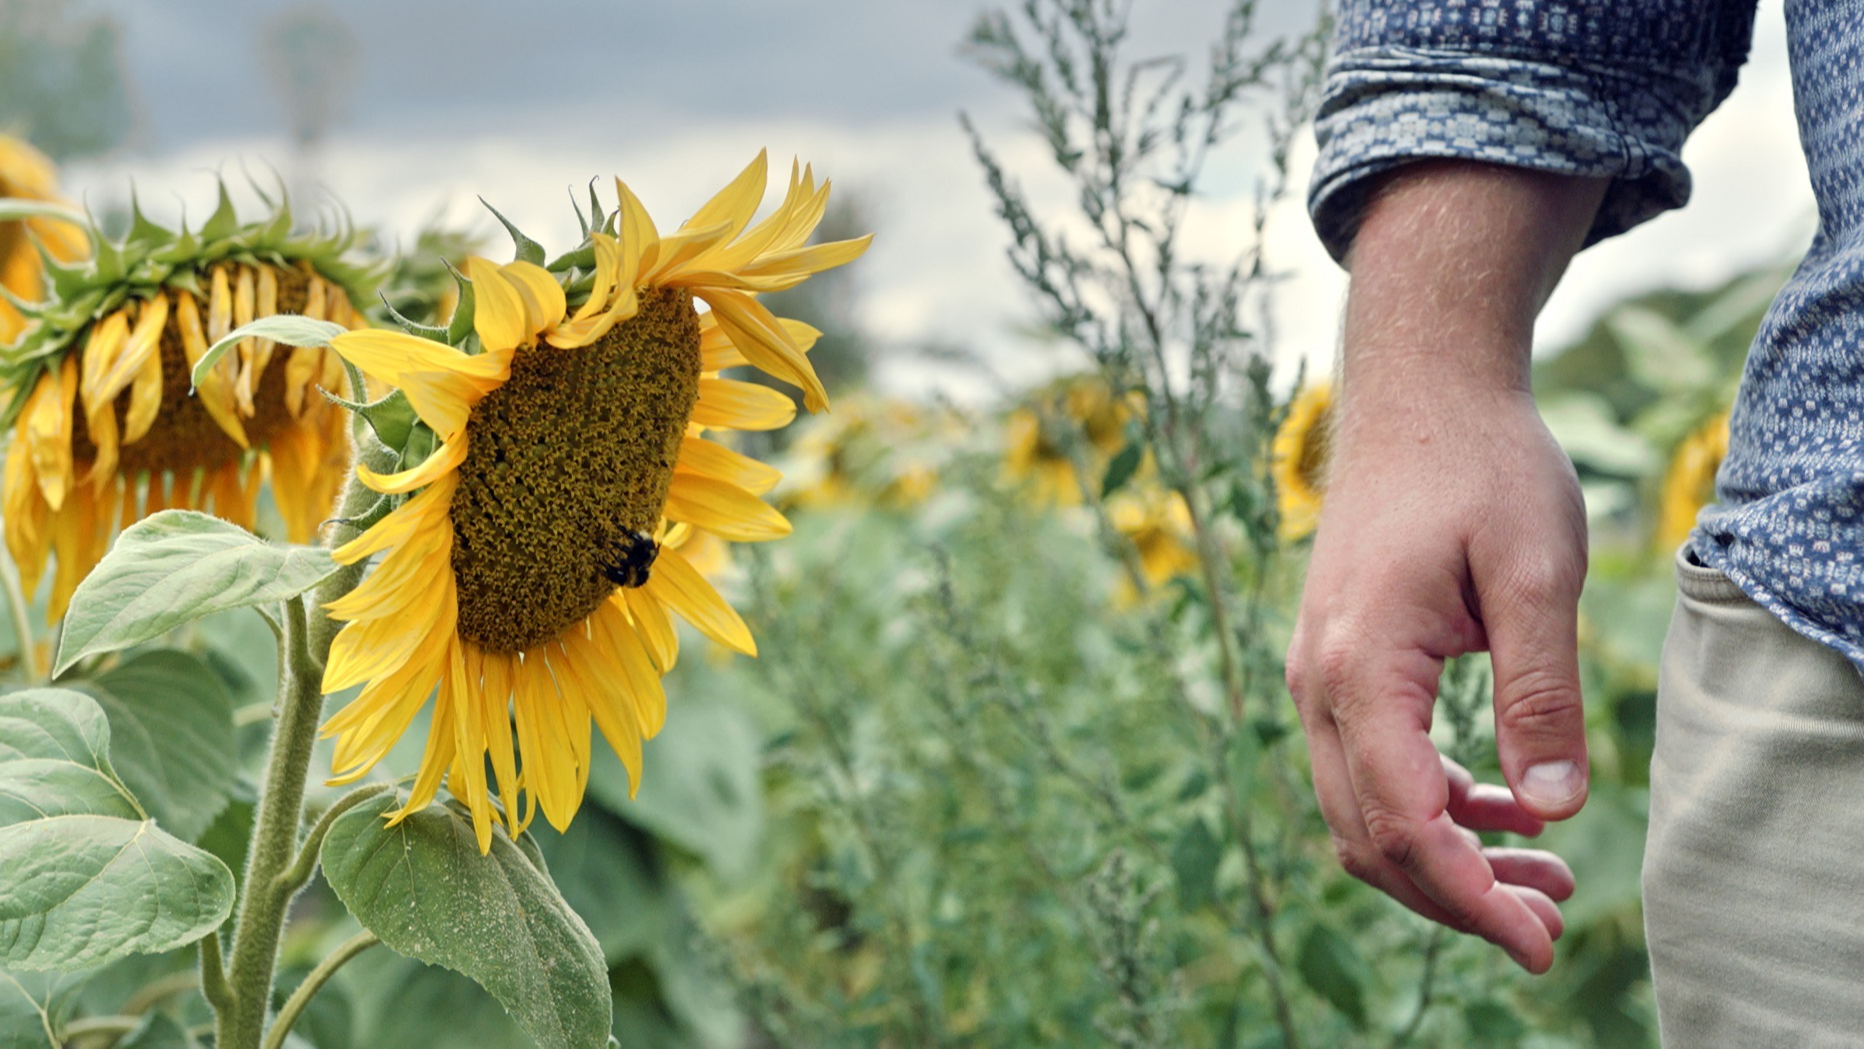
<point x="288" y="1014"/>
<point x="268" y="887"/>
<point x="21" y="615"/>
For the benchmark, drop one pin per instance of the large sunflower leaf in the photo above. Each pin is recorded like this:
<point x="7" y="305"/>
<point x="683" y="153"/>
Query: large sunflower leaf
<point x="171" y="737"/>
<point x="85" y="876"/>
<point x="178" y="566"/>
<point x="423" y="887"/>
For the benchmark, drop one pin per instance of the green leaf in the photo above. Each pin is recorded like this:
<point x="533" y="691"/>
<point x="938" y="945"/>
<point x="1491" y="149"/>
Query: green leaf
<point x="174" y="567"/>
<point x="288" y="328"/>
<point x="34" y="1004"/>
<point x="85" y="875"/>
<point x="610" y="872"/>
<point x="423" y="887"/>
<point x="1335" y="971"/>
<point x="1121" y="469"/>
<point x="172" y="737"/>
<point x="1194" y="858"/>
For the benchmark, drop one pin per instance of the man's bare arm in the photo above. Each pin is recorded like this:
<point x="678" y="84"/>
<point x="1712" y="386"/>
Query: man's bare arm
<point x="1453" y="523"/>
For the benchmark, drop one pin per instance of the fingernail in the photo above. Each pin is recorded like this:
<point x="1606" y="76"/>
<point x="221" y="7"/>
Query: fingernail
<point x="1552" y="782"/>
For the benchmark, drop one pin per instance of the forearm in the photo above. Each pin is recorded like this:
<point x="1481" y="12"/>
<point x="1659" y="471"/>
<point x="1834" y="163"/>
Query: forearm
<point x="1452" y="262"/>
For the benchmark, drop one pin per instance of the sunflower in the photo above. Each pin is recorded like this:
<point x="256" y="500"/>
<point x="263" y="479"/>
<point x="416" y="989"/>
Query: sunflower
<point x="872" y="452"/>
<point x="1158" y="524"/>
<point x="1302" y="448"/>
<point x="1042" y="435"/>
<point x="548" y="495"/>
<point x="1689" y="483"/>
<point x="26" y="174"/>
<point x="98" y="385"/>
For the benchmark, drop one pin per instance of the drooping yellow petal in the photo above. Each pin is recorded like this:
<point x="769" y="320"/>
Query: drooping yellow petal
<point x="732" y="405"/>
<point x="543" y="741"/>
<point x="443" y="460"/>
<point x="717" y="352"/>
<point x="370" y="648"/>
<point x="403" y="522"/>
<point x="47" y="421"/>
<point x="441" y="382"/>
<point x="724" y="509"/>
<point x="103" y="351"/>
<point x="734" y="205"/>
<point x="145" y="400"/>
<point x="764" y="342"/>
<point x="640" y="240"/>
<point x="651" y="622"/>
<point x="647" y="699"/>
<point x="495" y="672"/>
<point x="215" y="390"/>
<point x="243" y="303"/>
<point x="675" y="585"/>
<point x="700" y="456"/>
<point x="435" y="761"/>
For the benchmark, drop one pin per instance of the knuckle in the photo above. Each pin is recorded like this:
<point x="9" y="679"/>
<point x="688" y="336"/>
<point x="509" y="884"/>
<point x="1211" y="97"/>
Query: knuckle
<point x="1393" y="835"/>
<point x="1540" y="700"/>
<point x="1546" y="579"/>
<point x="1354" y="859"/>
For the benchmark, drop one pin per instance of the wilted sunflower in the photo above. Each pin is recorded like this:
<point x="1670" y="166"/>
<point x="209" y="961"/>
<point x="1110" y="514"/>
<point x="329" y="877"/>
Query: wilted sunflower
<point x="531" y="574"/>
<point x="98" y="383"/>
<point x="1038" y="446"/>
<point x="1303" y="446"/>
<point x="26" y="174"/>
<point x="1689" y="483"/>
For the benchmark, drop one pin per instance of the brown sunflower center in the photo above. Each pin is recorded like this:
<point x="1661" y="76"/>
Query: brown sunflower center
<point x="566" y="474"/>
<point x="184" y="436"/>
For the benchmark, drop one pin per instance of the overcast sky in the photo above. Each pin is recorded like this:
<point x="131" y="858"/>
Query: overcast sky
<point x="457" y="99"/>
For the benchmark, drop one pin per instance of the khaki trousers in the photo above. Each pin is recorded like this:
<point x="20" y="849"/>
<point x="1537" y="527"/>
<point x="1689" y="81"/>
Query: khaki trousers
<point x="1754" y="869"/>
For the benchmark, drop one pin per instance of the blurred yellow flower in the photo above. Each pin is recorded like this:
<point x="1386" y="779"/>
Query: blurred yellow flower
<point x="1037" y="450"/>
<point x="872" y="451"/>
<point x="1158" y="524"/>
<point x="532" y="577"/>
<point x="1303" y="446"/>
<point x="26" y="174"/>
<point x="1689" y="483"/>
<point x="98" y="383"/>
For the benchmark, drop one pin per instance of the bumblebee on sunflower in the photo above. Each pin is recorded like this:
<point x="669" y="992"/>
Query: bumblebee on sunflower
<point x="554" y="469"/>
<point x="97" y="386"/>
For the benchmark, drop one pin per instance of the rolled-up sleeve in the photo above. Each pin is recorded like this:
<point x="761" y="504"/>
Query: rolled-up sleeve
<point x="1604" y="88"/>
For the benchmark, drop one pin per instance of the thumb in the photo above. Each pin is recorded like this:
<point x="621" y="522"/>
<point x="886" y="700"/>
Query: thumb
<point x="1540" y="729"/>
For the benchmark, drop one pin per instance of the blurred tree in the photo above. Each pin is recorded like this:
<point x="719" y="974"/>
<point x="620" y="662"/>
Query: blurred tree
<point x="63" y="86"/>
<point x="313" y="56"/>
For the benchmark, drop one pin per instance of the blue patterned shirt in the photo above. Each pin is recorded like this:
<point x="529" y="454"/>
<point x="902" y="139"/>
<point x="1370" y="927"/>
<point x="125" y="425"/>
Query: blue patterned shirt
<point x="1610" y="88"/>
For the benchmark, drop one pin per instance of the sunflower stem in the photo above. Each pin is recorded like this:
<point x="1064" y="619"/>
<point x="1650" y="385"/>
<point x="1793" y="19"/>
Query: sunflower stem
<point x="274" y="836"/>
<point x="299" y="874"/>
<point x="274" y="855"/>
<point x="313" y="982"/>
<point x="21" y="616"/>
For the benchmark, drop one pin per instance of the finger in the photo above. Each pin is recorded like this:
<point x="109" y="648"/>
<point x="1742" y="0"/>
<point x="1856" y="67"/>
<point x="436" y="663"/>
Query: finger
<point x="1533" y="868"/>
<point x="1333" y="789"/>
<point x="1485" y="807"/>
<point x="1546" y="913"/>
<point x="1531" y="615"/>
<point x="1402" y="794"/>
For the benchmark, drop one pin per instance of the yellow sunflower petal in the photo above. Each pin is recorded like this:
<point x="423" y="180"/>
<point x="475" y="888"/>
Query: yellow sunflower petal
<point x="764" y="342"/>
<point x="676" y="585"/>
<point x="652" y="624"/>
<point x="700" y="456"/>
<point x="444" y="460"/>
<point x="215" y="392"/>
<point x="401" y="524"/>
<point x="724" y="509"/>
<point x="732" y="405"/>
<point x="543" y="296"/>
<point x="145" y="400"/>
<point x="47" y="430"/>
<point x="103" y="352"/>
<point x="498" y="309"/>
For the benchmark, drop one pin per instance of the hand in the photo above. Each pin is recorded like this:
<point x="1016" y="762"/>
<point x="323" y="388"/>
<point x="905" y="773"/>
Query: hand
<point x="1453" y="523"/>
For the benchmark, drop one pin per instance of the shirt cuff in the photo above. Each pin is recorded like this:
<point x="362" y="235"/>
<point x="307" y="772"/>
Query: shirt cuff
<point x="1384" y="107"/>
